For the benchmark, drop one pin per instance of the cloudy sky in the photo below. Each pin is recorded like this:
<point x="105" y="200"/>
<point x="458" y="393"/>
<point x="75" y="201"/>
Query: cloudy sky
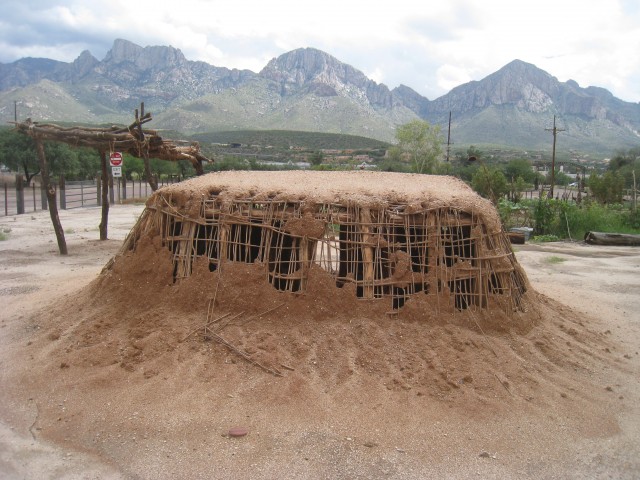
<point x="429" y="46"/>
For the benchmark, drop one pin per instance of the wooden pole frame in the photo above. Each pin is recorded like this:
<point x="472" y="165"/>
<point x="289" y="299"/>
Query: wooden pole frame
<point x="51" y="195"/>
<point x="104" y="180"/>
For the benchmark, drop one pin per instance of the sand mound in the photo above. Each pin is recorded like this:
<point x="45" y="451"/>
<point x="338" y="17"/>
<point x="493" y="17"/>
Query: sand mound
<point x="150" y="373"/>
<point x="117" y="354"/>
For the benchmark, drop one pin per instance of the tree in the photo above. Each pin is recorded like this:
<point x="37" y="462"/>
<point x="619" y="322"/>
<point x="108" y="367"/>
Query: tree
<point x="608" y="188"/>
<point x="164" y="168"/>
<point x="89" y="163"/>
<point x="474" y="152"/>
<point x="626" y="163"/>
<point x="624" y="158"/>
<point x="420" y="144"/>
<point x="490" y="183"/>
<point x="516" y="187"/>
<point x="18" y="152"/>
<point x="560" y="178"/>
<point x="316" y="158"/>
<point x="132" y="165"/>
<point x="62" y="159"/>
<point x="520" y="168"/>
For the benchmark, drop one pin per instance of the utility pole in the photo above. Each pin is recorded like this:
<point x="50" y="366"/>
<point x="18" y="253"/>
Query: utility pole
<point x="553" y="154"/>
<point x="449" y="137"/>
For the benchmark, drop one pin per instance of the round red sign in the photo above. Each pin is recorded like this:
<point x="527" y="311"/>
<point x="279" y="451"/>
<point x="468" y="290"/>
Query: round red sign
<point x="115" y="159"/>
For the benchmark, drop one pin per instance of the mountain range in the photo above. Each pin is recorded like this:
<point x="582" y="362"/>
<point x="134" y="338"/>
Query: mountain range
<point x="309" y="90"/>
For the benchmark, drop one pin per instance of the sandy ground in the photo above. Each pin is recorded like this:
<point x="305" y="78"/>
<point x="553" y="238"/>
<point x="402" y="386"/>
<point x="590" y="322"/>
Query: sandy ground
<point x="83" y="396"/>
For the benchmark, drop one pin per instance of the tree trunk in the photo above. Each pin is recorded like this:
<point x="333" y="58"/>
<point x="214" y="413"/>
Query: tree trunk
<point x="613" y="239"/>
<point x="147" y="173"/>
<point x="197" y="165"/>
<point x="104" y="221"/>
<point x="28" y="176"/>
<point x="51" y="196"/>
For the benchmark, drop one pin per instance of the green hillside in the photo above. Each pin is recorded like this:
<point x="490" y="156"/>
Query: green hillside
<point x="285" y="139"/>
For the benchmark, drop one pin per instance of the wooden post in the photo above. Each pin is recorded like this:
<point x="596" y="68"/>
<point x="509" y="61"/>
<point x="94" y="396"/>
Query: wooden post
<point x="147" y="173"/>
<point x="99" y="188"/>
<point x="304" y="262"/>
<point x="184" y="253"/>
<point x="151" y="180"/>
<point x="223" y="248"/>
<point x="111" y="192"/>
<point x="63" y="194"/>
<point x="104" y="178"/>
<point x="20" y="194"/>
<point x="51" y="196"/>
<point x="367" y="254"/>
<point x="635" y="191"/>
<point x="43" y="196"/>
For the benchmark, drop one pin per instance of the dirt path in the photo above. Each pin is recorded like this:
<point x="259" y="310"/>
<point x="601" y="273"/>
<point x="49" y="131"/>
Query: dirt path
<point x="86" y="396"/>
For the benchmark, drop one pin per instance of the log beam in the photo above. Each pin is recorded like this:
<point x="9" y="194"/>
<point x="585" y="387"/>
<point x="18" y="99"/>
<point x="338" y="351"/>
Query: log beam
<point x="612" y="239"/>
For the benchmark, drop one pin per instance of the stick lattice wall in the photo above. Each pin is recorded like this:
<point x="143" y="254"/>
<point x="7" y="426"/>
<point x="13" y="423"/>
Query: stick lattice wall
<point x="392" y="252"/>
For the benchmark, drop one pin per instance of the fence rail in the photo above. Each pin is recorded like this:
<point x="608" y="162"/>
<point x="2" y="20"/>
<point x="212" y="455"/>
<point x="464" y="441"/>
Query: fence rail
<point x="18" y="198"/>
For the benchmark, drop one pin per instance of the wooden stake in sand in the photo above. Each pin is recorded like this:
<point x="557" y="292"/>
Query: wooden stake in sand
<point x="203" y="327"/>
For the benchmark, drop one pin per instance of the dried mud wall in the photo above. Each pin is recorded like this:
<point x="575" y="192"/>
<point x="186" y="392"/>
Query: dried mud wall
<point x="449" y="249"/>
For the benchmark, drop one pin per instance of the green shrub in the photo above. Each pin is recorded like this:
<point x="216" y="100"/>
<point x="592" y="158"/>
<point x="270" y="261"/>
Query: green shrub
<point x="544" y="216"/>
<point x="564" y="219"/>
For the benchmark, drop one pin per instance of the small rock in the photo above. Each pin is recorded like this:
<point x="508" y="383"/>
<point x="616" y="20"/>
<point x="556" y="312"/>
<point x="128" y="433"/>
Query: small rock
<point x="238" y="432"/>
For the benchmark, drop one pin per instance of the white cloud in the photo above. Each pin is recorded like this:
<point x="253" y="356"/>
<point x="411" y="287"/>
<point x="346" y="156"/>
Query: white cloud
<point x="430" y="47"/>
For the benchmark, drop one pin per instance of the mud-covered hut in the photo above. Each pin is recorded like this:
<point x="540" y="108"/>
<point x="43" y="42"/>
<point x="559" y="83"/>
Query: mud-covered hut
<point x="389" y="237"/>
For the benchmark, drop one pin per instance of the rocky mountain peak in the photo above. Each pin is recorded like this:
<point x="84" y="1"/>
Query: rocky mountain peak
<point x="321" y="72"/>
<point x="412" y="99"/>
<point x="518" y="83"/>
<point x="305" y="65"/>
<point x="84" y="63"/>
<point x="314" y="90"/>
<point x="143" y="58"/>
<point x="122" y="51"/>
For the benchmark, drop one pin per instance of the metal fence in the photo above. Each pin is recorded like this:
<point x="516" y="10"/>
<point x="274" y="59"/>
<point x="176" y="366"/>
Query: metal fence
<point x="18" y="198"/>
<point x="78" y="194"/>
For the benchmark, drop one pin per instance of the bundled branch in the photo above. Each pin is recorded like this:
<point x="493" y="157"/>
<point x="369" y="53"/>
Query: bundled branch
<point x="133" y="140"/>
